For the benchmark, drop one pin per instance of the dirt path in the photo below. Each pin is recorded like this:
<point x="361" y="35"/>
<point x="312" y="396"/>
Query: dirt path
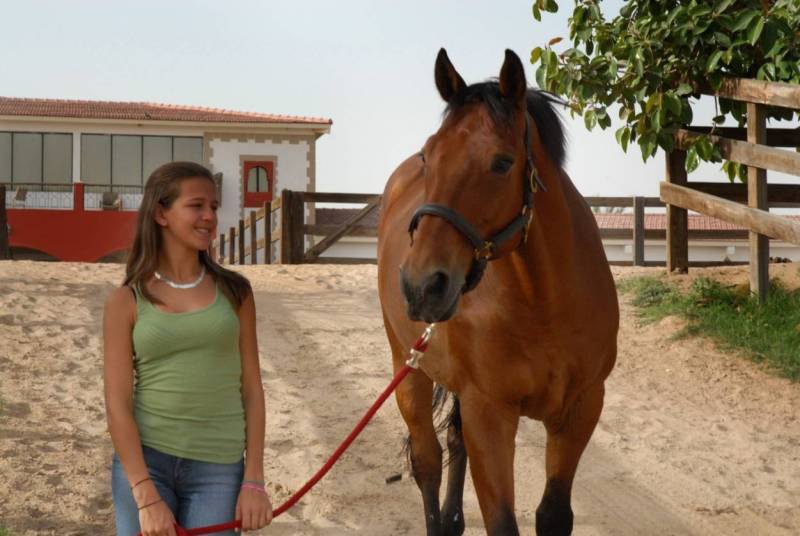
<point x="692" y="441"/>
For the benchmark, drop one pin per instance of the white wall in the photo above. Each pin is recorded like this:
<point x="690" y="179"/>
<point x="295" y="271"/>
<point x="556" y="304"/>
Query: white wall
<point x="292" y="170"/>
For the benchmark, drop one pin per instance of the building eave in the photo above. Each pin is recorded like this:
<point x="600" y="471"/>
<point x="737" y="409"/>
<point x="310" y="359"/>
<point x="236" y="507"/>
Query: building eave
<point x="316" y="129"/>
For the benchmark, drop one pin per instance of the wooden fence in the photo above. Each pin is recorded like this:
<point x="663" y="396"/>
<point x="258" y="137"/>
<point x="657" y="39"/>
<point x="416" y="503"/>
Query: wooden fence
<point x="723" y="200"/>
<point x="294" y="232"/>
<point x="232" y="248"/>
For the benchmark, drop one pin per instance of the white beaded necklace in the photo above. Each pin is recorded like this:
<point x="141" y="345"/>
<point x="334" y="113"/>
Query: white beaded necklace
<point x="173" y="284"/>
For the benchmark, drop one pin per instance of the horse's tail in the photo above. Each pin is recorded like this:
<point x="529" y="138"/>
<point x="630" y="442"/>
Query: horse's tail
<point x="442" y="420"/>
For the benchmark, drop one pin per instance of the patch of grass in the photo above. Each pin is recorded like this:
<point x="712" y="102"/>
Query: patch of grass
<point x="4" y="531"/>
<point x="768" y="333"/>
<point x="654" y="298"/>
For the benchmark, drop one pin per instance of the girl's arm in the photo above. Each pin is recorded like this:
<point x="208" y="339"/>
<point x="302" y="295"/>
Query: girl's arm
<point x="253" y="507"/>
<point x="118" y="320"/>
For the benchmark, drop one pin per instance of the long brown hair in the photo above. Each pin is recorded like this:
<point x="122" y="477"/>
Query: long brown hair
<point x="161" y="189"/>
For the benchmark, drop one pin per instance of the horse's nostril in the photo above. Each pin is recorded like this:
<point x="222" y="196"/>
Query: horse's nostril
<point x="437" y="284"/>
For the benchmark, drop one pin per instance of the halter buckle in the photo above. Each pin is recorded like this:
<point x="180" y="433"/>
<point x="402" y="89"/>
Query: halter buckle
<point x="533" y="180"/>
<point x="485" y="251"/>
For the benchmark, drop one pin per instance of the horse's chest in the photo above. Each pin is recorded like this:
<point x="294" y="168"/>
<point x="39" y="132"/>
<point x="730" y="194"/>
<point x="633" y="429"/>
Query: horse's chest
<point x="508" y="370"/>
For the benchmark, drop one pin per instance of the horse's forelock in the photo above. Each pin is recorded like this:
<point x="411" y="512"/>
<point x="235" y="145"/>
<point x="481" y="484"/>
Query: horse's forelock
<point x="541" y="107"/>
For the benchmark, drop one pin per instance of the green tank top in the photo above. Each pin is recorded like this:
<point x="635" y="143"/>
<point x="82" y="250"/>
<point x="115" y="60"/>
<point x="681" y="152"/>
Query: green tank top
<point x="187" y="391"/>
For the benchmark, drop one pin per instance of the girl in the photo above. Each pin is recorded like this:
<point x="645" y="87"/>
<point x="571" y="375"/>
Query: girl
<point x="183" y="390"/>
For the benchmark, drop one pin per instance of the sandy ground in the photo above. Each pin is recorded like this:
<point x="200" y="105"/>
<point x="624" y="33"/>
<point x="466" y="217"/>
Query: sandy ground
<point x="692" y="441"/>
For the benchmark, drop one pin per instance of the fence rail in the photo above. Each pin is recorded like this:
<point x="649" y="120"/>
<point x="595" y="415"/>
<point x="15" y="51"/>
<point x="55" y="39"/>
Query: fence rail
<point x="756" y="153"/>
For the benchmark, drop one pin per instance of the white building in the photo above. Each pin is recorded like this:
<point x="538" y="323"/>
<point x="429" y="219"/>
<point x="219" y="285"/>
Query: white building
<point x="47" y="145"/>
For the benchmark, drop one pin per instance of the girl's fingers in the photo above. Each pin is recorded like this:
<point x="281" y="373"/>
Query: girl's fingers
<point x="239" y="511"/>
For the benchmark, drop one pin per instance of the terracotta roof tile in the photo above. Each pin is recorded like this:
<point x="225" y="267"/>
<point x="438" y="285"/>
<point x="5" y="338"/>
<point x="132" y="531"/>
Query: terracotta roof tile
<point x="141" y="111"/>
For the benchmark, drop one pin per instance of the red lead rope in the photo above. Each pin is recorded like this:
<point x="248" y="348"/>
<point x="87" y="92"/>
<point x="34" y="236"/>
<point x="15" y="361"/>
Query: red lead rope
<point x="419" y="348"/>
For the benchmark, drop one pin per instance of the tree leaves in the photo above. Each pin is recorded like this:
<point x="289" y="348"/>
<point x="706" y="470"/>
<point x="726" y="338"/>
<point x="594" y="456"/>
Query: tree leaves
<point x="744" y="19"/>
<point x="754" y="32"/>
<point x="654" y="56"/>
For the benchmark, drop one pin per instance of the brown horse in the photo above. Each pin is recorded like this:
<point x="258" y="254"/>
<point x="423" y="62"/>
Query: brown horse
<point x="532" y="332"/>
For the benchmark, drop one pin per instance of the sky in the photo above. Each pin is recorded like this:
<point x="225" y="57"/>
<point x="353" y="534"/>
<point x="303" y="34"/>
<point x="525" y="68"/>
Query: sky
<point x="367" y="65"/>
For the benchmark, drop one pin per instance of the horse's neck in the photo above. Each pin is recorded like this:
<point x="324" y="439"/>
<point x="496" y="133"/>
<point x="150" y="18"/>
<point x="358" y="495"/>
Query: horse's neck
<point x="542" y="265"/>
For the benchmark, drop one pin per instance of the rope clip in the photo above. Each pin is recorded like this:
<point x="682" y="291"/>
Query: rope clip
<point x="419" y="347"/>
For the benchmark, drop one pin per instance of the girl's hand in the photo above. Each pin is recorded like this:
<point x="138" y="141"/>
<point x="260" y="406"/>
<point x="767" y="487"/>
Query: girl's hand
<point x="253" y="508"/>
<point x="157" y="520"/>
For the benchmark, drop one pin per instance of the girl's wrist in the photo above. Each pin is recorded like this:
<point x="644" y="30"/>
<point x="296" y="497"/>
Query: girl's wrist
<point x="254" y="486"/>
<point x="145" y="493"/>
<point x="253" y="473"/>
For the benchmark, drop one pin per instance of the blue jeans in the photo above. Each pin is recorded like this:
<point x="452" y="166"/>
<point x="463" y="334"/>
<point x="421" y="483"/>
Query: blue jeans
<point x="198" y="493"/>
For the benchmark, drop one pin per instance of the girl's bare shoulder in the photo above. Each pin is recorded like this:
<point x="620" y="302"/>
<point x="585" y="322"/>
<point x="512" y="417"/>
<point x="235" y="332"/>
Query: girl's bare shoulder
<point x="121" y="302"/>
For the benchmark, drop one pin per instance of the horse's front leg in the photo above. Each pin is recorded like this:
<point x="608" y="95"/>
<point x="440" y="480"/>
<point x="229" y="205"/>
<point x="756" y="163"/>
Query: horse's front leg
<point x="489" y="431"/>
<point x="566" y="440"/>
<point x="414" y="398"/>
<point x="453" y="510"/>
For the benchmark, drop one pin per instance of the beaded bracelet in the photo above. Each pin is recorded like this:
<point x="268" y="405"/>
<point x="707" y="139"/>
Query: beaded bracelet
<point x="140" y="508"/>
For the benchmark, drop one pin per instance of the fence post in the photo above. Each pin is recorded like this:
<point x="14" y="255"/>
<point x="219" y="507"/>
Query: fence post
<point x="267" y="232"/>
<point x="292" y="233"/>
<point x="286" y="249"/>
<point x="4" y="249"/>
<point x="757" y="198"/>
<point x="240" y="236"/>
<point x="253" y="238"/>
<point x="638" y="231"/>
<point x="232" y="252"/>
<point x="677" y="217"/>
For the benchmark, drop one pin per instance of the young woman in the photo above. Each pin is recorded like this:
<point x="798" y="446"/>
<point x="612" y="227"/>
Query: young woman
<point x="183" y="392"/>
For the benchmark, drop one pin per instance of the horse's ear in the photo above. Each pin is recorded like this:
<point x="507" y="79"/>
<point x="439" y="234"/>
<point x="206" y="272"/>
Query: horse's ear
<point x="512" y="79"/>
<point x="448" y="81"/>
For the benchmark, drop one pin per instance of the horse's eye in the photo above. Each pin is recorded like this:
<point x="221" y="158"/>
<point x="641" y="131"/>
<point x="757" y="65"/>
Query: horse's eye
<point x="502" y="164"/>
<point x="422" y="156"/>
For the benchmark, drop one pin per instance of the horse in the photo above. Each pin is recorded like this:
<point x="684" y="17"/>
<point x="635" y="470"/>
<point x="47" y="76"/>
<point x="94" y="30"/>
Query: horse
<point x="505" y="256"/>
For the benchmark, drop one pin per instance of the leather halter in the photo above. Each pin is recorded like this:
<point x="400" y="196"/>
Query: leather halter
<point x="485" y="249"/>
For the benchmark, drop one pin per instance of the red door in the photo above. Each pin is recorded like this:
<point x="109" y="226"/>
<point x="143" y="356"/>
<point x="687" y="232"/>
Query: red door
<point x="258" y="180"/>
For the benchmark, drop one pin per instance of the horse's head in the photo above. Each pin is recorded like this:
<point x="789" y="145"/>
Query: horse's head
<point x="478" y="178"/>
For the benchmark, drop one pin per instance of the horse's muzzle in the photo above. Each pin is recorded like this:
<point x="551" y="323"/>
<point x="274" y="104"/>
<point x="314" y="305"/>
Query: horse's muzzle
<point x="434" y="298"/>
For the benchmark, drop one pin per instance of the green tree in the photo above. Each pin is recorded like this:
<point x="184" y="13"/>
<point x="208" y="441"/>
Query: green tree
<point x="657" y="54"/>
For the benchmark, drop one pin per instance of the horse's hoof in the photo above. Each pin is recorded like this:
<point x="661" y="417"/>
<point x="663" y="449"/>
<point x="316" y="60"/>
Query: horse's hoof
<point x="453" y="523"/>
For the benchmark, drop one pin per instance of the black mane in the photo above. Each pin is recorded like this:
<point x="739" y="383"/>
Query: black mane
<point x="540" y="106"/>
